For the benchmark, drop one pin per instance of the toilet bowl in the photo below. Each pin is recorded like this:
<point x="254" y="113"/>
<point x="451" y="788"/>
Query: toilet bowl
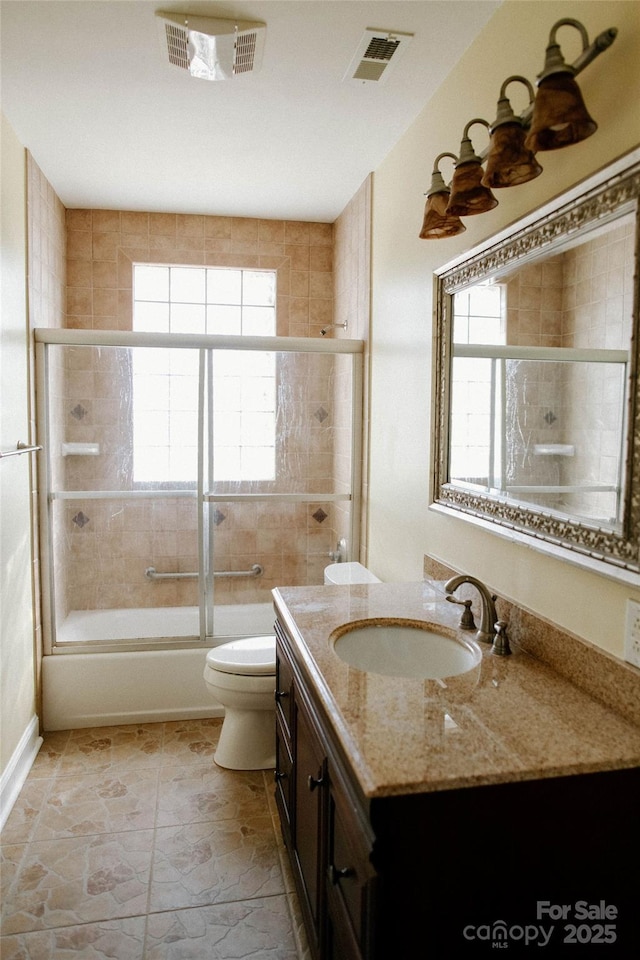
<point x="241" y="675"/>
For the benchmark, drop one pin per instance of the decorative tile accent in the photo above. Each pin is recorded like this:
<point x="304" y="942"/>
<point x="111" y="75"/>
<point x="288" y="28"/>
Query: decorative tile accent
<point x="218" y="517"/>
<point x="79" y="412"/>
<point x="319" y="515"/>
<point x="80" y="519"/>
<point x="321" y="414"/>
<point x="550" y="417"/>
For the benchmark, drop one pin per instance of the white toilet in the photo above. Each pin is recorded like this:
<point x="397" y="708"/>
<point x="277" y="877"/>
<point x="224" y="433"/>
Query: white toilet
<point x="241" y="675"/>
<point x="349" y="572"/>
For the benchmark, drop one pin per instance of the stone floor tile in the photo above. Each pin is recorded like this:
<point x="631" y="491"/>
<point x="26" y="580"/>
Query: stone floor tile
<point x="191" y="741"/>
<point x="108" y="940"/>
<point x="206" y="863"/>
<point x="21" y="822"/>
<point x="111" y="802"/>
<point x="49" y="755"/>
<point x="259" y="928"/>
<point x="187" y="794"/>
<point x="97" y="749"/>
<point x="60" y="883"/>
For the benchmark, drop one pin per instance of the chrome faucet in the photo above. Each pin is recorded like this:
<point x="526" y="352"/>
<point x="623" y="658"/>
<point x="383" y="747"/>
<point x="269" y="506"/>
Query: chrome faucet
<point x="487" y="629"/>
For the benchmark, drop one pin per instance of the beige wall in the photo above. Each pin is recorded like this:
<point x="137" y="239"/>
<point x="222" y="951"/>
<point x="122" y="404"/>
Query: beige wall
<point x="46" y="268"/>
<point x="17" y="697"/>
<point x="401" y="528"/>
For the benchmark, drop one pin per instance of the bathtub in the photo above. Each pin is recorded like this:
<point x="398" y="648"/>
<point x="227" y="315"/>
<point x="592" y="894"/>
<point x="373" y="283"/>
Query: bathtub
<point x="146" y="686"/>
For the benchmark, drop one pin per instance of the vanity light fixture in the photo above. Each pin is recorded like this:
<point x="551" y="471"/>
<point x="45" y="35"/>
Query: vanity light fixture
<point x="437" y="222"/>
<point x="468" y="193"/>
<point x="560" y="116"/>
<point x="509" y="161"/>
<point x="556" y="117"/>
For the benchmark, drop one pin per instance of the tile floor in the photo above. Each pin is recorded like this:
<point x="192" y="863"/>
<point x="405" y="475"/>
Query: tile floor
<point x="130" y="843"/>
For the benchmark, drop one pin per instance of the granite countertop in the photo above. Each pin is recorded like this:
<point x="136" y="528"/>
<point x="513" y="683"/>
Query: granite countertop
<point x="511" y="718"/>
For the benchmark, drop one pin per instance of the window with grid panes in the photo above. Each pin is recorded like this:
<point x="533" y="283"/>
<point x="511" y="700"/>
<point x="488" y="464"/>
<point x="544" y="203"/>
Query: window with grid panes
<point x="203" y="300"/>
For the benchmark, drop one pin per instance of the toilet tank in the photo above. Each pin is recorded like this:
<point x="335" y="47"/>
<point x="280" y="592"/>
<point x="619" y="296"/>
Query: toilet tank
<point x="349" y="572"/>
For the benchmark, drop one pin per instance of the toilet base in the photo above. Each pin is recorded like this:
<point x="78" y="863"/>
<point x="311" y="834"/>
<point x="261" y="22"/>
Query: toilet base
<point x="247" y="740"/>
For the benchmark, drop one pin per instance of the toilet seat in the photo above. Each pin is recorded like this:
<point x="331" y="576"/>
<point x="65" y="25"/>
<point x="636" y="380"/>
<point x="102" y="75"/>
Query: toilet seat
<point x="250" y="657"/>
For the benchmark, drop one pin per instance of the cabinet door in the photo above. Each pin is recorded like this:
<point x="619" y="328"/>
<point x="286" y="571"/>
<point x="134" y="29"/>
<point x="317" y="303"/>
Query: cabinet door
<point x="340" y="943"/>
<point x="310" y="776"/>
<point x="350" y="876"/>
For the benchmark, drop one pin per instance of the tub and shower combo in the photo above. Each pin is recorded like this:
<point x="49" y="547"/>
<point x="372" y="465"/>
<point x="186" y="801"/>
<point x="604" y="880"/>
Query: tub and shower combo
<point x="182" y="478"/>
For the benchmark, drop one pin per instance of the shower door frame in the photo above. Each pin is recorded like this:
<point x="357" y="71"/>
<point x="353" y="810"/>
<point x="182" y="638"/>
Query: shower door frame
<point x="206" y="345"/>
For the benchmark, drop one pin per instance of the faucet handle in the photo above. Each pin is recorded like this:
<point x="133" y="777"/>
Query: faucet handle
<point x="501" y="646"/>
<point x="466" y="620"/>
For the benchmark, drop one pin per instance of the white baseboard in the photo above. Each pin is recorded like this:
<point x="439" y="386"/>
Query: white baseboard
<point x="17" y="770"/>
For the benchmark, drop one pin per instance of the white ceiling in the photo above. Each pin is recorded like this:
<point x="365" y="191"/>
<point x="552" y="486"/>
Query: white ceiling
<point x="113" y="126"/>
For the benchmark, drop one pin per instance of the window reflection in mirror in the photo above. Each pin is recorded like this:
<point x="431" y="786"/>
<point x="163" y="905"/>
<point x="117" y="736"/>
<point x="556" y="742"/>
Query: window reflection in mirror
<point x="543" y="424"/>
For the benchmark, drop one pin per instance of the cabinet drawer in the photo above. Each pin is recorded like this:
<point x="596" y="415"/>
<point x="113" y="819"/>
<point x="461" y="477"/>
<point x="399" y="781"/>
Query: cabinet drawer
<point x="284" y="693"/>
<point x="283" y="778"/>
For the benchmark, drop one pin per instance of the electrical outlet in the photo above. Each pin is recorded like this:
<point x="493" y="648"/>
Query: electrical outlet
<point x="632" y="633"/>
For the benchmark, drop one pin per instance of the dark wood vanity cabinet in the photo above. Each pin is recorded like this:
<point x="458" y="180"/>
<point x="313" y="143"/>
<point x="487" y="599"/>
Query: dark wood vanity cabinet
<point x="418" y="875"/>
<point x="328" y="840"/>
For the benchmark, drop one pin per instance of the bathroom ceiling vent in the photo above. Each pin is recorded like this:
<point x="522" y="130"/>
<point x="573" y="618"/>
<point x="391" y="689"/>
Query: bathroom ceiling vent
<point x="378" y="51"/>
<point x="210" y="48"/>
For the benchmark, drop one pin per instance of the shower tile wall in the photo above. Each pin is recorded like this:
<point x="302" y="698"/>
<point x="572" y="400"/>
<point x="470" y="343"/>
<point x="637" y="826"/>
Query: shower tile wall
<point x="110" y="544"/>
<point x="567" y="302"/>
<point x="352" y="269"/>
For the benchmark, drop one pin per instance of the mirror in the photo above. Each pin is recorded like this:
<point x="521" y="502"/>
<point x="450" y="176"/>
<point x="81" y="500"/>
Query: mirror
<point x="536" y="395"/>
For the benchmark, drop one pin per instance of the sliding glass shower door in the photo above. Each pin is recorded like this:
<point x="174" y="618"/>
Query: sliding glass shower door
<point x="186" y="477"/>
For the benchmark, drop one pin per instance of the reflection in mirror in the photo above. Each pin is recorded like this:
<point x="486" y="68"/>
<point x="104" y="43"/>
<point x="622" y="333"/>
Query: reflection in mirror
<point x="546" y="426"/>
<point x="535" y="364"/>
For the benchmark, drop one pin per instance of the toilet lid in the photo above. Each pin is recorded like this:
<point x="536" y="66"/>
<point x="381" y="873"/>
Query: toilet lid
<point x="253" y="656"/>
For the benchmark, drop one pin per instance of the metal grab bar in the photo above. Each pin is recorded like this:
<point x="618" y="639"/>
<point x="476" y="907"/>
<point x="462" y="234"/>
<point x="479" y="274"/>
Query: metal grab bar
<point x="21" y="447"/>
<point x="152" y="574"/>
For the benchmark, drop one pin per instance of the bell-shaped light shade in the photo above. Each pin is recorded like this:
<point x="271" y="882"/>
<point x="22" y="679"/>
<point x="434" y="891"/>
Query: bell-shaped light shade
<point x="509" y="162"/>
<point x="560" y="116"/>
<point x="437" y="222"/>
<point x="468" y="194"/>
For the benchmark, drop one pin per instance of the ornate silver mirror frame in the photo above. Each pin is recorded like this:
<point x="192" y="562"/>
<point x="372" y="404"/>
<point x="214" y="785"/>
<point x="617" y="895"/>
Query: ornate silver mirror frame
<point x="606" y="196"/>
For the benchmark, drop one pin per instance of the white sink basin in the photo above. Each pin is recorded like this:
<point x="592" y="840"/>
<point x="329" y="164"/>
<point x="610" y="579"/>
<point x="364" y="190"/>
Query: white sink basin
<point x="405" y="648"/>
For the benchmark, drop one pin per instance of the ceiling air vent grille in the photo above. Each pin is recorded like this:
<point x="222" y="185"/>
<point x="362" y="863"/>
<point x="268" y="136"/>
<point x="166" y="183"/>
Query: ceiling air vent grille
<point x="177" y="46"/>
<point x="245" y="52"/>
<point x="380" y="49"/>
<point x="377" y="49"/>
<point x="211" y="48"/>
